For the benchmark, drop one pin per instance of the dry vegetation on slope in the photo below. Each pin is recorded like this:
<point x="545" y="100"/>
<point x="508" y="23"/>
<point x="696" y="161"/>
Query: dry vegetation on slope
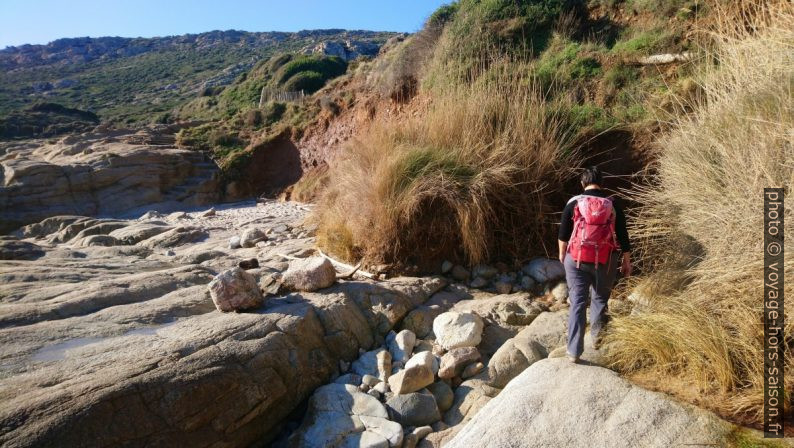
<point x="699" y="323"/>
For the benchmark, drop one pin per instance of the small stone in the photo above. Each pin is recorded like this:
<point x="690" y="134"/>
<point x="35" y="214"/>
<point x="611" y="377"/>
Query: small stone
<point x="478" y="283"/>
<point x="446" y="266"/>
<point x="382" y="387"/>
<point x="426" y="359"/>
<point x="484" y="271"/>
<point x="454" y="361"/>
<point x="460" y="273"/>
<point x="370" y="380"/>
<point x="413" y="409"/>
<point x="208" y="213"/>
<point x="411" y="380"/>
<point x="503" y="287"/>
<point x="560" y="292"/>
<point x="422" y="432"/>
<point x="543" y="270"/>
<point x="170" y="253"/>
<point x="401" y="345"/>
<point x="383" y="362"/>
<point x="527" y="283"/>
<point x="235" y="290"/>
<point x="234" y="242"/>
<point x="443" y="394"/>
<point x="251" y="263"/>
<point x="250" y="237"/>
<point x="472" y="369"/>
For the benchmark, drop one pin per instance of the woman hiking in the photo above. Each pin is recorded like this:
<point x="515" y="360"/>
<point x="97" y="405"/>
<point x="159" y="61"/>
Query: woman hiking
<point x="592" y="229"/>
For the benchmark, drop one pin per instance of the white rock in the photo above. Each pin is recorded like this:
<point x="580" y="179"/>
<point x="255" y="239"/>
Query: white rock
<point x="543" y="270"/>
<point x="560" y="292"/>
<point x="401" y="345"/>
<point x="454" y="330"/>
<point x="309" y="274"/>
<point x="612" y="413"/>
<point x="251" y="236"/>
<point x="427" y="359"/>
<point x="234" y="242"/>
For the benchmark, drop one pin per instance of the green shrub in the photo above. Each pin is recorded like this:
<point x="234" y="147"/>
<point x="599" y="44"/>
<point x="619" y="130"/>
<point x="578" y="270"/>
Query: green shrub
<point x="442" y="15"/>
<point x="644" y="42"/>
<point x="562" y="63"/>
<point x="308" y="81"/>
<point x="590" y="118"/>
<point x="621" y="75"/>
<point x="326" y="67"/>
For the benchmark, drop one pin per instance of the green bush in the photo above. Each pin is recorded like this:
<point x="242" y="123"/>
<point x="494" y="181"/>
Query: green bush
<point x="621" y="75"/>
<point x="644" y="42"/>
<point x="308" y="81"/>
<point x="442" y="15"/>
<point x="326" y="67"/>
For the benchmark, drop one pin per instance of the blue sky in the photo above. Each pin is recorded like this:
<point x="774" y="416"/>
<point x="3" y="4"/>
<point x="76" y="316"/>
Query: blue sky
<point x="41" y="21"/>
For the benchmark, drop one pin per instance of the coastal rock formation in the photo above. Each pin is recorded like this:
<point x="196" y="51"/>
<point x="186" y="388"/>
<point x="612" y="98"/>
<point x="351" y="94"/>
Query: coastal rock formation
<point x="101" y="173"/>
<point x="123" y="345"/>
<point x="591" y="406"/>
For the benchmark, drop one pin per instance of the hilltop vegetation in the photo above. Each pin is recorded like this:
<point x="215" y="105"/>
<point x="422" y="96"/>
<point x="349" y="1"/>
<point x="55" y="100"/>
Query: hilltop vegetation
<point x="142" y="80"/>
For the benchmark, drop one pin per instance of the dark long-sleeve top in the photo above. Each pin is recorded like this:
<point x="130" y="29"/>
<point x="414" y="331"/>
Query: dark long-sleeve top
<point x="566" y="223"/>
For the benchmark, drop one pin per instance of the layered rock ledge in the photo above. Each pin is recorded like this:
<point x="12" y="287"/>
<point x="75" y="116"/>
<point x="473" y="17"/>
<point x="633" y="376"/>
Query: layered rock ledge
<point x="101" y="173"/>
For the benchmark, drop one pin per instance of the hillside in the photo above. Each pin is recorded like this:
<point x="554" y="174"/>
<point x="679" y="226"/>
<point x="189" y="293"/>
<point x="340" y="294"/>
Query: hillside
<point x="129" y="80"/>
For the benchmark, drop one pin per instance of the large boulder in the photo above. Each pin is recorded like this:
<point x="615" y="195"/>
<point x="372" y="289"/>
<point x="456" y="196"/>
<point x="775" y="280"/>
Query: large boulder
<point x="549" y="330"/>
<point x="341" y="416"/>
<point x="593" y="406"/>
<point x="511" y="359"/>
<point x="309" y="274"/>
<point x="414" y="409"/>
<point x="235" y="290"/>
<point x="503" y="316"/>
<point x="454" y="329"/>
<point x="468" y="399"/>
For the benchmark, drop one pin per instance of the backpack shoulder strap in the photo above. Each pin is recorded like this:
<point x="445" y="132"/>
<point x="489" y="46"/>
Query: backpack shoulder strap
<point x="575" y="198"/>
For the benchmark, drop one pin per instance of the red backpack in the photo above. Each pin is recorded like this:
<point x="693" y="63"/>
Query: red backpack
<point x="593" y="237"/>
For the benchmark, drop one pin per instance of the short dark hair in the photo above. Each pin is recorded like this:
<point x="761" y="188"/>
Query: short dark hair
<point x="591" y="175"/>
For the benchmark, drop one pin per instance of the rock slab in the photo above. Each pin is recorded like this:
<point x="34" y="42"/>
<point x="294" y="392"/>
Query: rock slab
<point x="592" y="406"/>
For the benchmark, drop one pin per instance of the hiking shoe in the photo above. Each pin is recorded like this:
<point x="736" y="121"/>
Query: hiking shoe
<point x="572" y="358"/>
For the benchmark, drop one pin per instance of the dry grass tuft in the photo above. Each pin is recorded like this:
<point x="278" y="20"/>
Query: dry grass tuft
<point x="699" y="319"/>
<point x="467" y="179"/>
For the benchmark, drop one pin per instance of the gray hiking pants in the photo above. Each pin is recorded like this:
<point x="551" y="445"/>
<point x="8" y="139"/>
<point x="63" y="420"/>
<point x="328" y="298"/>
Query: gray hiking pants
<point x="586" y="283"/>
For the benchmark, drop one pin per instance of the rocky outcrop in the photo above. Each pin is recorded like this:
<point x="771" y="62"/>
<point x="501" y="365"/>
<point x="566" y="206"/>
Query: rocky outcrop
<point x="100" y="173"/>
<point x="557" y="403"/>
<point x="122" y="345"/>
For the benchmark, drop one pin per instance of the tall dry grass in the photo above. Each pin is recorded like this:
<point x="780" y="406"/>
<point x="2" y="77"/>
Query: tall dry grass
<point x="468" y="178"/>
<point x="699" y="329"/>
